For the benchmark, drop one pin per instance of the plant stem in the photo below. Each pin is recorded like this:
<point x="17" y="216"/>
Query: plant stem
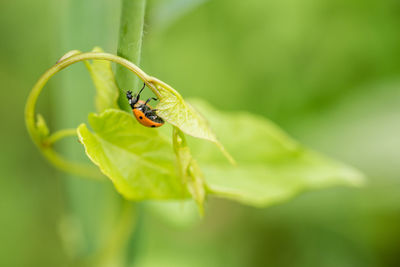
<point x="129" y="47"/>
<point x="60" y="135"/>
<point x="76" y="168"/>
<point x="130" y="44"/>
<point x="37" y="89"/>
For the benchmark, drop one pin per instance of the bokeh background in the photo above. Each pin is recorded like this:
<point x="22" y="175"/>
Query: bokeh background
<point x="328" y="72"/>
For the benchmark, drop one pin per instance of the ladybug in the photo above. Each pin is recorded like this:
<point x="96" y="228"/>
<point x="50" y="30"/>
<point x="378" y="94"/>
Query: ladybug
<point x="143" y="112"/>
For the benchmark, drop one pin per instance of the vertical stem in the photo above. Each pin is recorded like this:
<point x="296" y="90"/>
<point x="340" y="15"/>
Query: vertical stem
<point x="129" y="47"/>
<point x="129" y="44"/>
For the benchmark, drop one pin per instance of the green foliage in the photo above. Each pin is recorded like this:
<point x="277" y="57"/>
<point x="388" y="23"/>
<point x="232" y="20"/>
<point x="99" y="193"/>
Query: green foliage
<point x="142" y="164"/>
<point x="139" y="161"/>
<point x="271" y="166"/>
<point x="104" y="81"/>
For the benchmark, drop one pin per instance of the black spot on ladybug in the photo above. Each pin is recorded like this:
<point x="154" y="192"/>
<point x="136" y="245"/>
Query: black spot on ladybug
<point x="153" y="126"/>
<point x="140" y="117"/>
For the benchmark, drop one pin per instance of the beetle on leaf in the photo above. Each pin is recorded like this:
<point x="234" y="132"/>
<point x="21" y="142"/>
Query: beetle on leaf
<point x="143" y="112"/>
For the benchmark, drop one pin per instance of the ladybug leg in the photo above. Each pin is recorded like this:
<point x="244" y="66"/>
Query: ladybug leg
<point x="150" y="111"/>
<point x="148" y="114"/>
<point x="144" y="85"/>
<point x="150" y="98"/>
<point x="137" y="97"/>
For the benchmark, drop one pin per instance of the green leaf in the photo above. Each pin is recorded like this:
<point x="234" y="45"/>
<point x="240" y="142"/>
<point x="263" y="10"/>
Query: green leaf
<point x="175" y="110"/>
<point x="103" y="78"/>
<point x="138" y="160"/>
<point x="189" y="169"/>
<point x="271" y="166"/>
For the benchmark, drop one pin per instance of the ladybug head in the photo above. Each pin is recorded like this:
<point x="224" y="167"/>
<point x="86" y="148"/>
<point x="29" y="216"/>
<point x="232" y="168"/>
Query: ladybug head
<point x="133" y="99"/>
<point x="129" y="94"/>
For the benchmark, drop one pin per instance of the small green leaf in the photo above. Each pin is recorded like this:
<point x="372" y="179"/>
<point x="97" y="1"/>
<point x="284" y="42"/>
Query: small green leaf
<point x="271" y="166"/>
<point x="173" y="108"/>
<point x="176" y="111"/>
<point x="189" y="169"/>
<point x="103" y="78"/>
<point x="41" y="127"/>
<point x="138" y="160"/>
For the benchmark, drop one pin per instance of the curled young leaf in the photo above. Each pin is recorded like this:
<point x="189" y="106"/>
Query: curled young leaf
<point x="41" y="127"/>
<point x="138" y="160"/>
<point x="271" y="166"/>
<point x="175" y="110"/>
<point x="102" y="75"/>
<point x="189" y="169"/>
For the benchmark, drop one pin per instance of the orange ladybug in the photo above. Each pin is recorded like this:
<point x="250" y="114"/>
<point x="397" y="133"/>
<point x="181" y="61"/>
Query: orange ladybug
<point x="143" y="112"/>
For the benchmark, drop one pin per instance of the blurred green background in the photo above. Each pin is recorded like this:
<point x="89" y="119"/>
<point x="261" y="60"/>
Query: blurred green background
<point x="328" y="72"/>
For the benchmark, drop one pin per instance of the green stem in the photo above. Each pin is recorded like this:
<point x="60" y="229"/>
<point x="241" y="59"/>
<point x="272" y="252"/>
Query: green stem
<point x="60" y="162"/>
<point x="129" y="44"/>
<point x="37" y="89"/>
<point x="60" y="135"/>
<point x="71" y="167"/>
<point x="129" y="47"/>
